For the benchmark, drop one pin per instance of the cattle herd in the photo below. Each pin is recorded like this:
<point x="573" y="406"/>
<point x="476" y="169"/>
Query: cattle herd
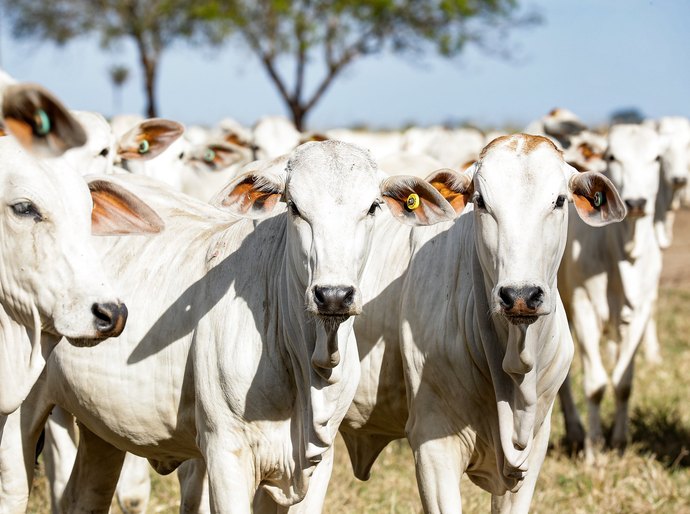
<point x="259" y="289"/>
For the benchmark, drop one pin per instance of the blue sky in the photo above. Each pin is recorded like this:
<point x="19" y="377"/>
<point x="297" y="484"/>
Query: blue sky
<point x="590" y="56"/>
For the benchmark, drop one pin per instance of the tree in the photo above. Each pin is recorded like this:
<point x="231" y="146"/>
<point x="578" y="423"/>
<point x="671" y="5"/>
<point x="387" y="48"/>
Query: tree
<point x="338" y="32"/>
<point x="118" y="76"/>
<point x="153" y="25"/>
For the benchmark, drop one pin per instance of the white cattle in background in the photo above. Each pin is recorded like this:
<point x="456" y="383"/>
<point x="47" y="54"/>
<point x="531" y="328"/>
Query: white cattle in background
<point x="463" y="340"/>
<point x="274" y="136"/>
<point x="559" y="125"/>
<point x="453" y="148"/>
<point x="609" y="280"/>
<point x="405" y="163"/>
<point x="244" y="355"/>
<point x="380" y="143"/>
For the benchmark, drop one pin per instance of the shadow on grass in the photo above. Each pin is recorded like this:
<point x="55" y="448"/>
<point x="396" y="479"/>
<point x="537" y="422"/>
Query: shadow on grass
<point x="659" y="430"/>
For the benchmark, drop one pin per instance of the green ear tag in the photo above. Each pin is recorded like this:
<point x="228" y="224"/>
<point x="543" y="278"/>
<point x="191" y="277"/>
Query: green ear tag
<point x="412" y="202"/>
<point x="209" y="155"/>
<point x="599" y="199"/>
<point x="42" y="122"/>
<point x="143" y="146"/>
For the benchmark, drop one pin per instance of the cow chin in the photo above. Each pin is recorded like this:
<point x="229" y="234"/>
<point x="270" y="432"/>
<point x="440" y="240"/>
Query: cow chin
<point x="331" y="321"/>
<point x="520" y="319"/>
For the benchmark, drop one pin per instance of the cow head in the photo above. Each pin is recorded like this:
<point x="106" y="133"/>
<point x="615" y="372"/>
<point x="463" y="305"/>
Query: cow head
<point x="633" y="166"/>
<point x="675" y="150"/>
<point x="51" y="275"/>
<point x="520" y="188"/>
<point x="333" y="191"/>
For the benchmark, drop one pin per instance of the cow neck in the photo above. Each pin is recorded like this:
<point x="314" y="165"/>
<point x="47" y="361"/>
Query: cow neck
<point x="316" y="353"/>
<point x="512" y="353"/>
<point x="23" y="355"/>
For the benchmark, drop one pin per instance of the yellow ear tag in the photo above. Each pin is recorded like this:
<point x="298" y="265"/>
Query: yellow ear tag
<point x="412" y="202"/>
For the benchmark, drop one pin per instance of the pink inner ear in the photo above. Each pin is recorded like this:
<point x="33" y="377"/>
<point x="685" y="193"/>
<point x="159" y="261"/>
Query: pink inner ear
<point x="247" y="197"/>
<point x="115" y="214"/>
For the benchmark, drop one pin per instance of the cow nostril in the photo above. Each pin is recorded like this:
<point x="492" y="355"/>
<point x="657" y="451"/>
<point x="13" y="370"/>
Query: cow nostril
<point x="636" y="204"/>
<point x="110" y="317"/>
<point x="508" y="296"/>
<point x="533" y="296"/>
<point x="348" y="296"/>
<point x="320" y="296"/>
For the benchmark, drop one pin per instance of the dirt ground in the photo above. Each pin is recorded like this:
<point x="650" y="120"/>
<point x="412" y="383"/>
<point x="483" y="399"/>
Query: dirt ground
<point x="676" y="270"/>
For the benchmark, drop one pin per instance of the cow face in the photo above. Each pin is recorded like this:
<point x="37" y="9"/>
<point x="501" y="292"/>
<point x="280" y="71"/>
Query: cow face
<point x="675" y="153"/>
<point x="633" y="166"/>
<point x="97" y="155"/>
<point x="51" y="276"/>
<point x="520" y="188"/>
<point x="333" y="191"/>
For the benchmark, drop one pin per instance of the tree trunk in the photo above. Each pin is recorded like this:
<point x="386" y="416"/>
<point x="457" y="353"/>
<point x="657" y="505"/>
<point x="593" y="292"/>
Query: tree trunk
<point x="298" y="114"/>
<point x="150" y="75"/>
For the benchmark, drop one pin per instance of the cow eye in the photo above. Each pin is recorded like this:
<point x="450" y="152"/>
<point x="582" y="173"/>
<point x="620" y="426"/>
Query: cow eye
<point x="610" y="158"/>
<point x="293" y="209"/>
<point x="104" y="152"/>
<point x="560" y="201"/>
<point x="372" y="209"/>
<point x="26" y="210"/>
<point x="479" y="201"/>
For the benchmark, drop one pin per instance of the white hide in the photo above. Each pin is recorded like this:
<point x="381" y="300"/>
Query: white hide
<point x="479" y="376"/>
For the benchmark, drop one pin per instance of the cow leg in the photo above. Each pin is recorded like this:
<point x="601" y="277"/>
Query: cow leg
<point x="19" y="434"/>
<point x="96" y="470"/>
<point x="574" y="430"/>
<point x="439" y="464"/>
<point x="193" y="487"/>
<point x="588" y="334"/>
<point x="134" y="486"/>
<point x="622" y="375"/>
<point x="230" y="472"/>
<point x="519" y="502"/>
<point x="59" y="452"/>
<point x="650" y="340"/>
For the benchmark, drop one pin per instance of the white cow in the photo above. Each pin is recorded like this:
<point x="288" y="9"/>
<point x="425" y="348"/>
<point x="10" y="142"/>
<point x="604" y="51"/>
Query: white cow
<point x="464" y="350"/>
<point x="53" y="284"/>
<point x="275" y="136"/>
<point x="242" y="352"/>
<point x="609" y="280"/>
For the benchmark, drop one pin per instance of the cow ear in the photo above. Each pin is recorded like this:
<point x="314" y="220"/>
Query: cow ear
<point x="117" y="211"/>
<point x="149" y="139"/>
<point x="596" y="199"/>
<point x="220" y="156"/>
<point x="413" y="201"/>
<point x="456" y="188"/>
<point x="38" y="120"/>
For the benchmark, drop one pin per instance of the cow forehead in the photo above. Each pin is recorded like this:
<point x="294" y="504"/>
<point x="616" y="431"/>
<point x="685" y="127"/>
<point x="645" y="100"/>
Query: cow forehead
<point x="332" y="172"/>
<point x="633" y="142"/>
<point x="521" y="163"/>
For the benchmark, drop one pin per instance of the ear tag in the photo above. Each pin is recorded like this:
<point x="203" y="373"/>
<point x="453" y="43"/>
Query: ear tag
<point x="143" y="146"/>
<point x="42" y="122"/>
<point x="599" y="199"/>
<point x="209" y="155"/>
<point x="412" y="202"/>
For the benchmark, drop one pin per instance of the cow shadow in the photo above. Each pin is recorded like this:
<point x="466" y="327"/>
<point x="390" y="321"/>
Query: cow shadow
<point x="660" y="431"/>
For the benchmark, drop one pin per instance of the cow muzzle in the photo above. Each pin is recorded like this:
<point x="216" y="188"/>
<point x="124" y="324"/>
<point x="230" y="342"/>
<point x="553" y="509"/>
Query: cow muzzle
<point x="522" y="305"/>
<point x="636" y="207"/>
<point x="335" y="301"/>
<point x="109" y="319"/>
<point x="679" y="182"/>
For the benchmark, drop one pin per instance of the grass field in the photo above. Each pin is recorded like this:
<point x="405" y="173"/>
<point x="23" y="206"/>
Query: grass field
<point x="652" y="476"/>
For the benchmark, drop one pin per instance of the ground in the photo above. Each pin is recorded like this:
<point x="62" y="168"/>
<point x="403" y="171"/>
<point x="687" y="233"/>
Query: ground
<point x="652" y="476"/>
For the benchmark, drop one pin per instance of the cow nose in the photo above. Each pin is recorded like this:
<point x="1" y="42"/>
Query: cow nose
<point x="532" y="296"/>
<point x="334" y="300"/>
<point x="110" y="318"/>
<point x="679" y="181"/>
<point x="635" y="204"/>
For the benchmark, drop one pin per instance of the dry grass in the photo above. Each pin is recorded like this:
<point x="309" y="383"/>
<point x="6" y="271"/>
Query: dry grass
<point x="652" y="476"/>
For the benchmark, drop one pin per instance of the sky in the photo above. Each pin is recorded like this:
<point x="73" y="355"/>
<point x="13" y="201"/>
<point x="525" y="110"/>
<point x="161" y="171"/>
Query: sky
<point x="590" y="56"/>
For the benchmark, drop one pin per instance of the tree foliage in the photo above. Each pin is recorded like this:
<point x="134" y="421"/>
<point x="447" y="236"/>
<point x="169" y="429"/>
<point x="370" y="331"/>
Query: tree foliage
<point x="153" y="25"/>
<point x="337" y="32"/>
